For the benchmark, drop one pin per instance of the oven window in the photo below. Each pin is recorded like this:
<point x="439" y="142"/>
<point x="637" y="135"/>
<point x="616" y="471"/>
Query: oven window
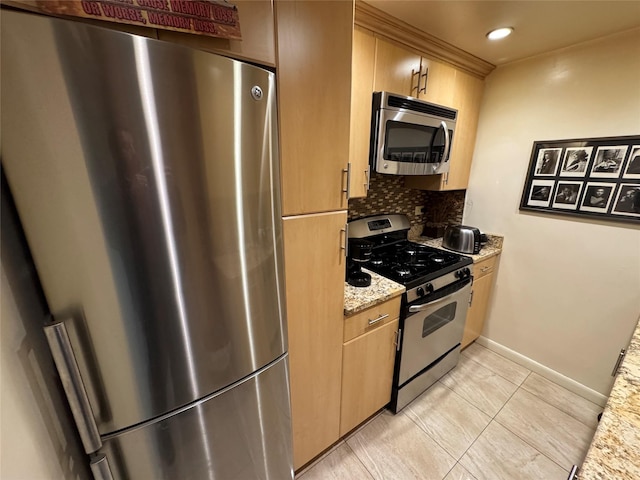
<point x="411" y="143"/>
<point x="439" y="318"/>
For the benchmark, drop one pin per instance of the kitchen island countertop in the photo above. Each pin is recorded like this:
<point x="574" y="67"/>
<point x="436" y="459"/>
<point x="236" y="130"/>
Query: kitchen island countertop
<point x="615" y="449"/>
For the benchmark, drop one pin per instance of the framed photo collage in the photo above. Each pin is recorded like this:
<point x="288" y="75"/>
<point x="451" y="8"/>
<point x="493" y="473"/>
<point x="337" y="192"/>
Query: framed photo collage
<point x="593" y="177"/>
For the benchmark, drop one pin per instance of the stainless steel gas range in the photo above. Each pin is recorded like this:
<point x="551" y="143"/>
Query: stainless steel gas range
<point x="434" y="306"/>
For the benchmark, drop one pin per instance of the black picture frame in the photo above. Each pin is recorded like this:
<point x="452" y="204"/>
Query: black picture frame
<point x="585" y="177"/>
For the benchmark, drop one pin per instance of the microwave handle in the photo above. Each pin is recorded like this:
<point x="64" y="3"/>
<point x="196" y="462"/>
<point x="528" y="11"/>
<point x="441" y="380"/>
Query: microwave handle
<point x="447" y="140"/>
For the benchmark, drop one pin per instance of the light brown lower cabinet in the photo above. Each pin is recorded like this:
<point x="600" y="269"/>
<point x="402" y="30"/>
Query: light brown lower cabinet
<point x="481" y="293"/>
<point x="314" y="266"/>
<point x="367" y="370"/>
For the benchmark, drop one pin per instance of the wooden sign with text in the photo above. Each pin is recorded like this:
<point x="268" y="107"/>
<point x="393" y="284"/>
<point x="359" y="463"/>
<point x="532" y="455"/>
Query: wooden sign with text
<point x="214" y="18"/>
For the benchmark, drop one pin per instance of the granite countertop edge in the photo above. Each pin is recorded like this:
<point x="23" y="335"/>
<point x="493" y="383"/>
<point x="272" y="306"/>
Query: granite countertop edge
<point x="615" y="449"/>
<point x="357" y="299"/>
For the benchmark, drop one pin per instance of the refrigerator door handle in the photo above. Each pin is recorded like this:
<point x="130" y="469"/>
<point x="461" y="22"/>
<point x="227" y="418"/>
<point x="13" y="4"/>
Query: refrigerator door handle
<point x="100" y="468"/>
<point x="67" y="367"/>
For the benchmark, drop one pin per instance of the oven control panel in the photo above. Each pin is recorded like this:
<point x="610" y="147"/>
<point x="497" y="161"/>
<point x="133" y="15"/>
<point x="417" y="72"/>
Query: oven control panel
<point x="436" y="284"/>
<point x="426" y="289"/>
<point x="463" y="273"/>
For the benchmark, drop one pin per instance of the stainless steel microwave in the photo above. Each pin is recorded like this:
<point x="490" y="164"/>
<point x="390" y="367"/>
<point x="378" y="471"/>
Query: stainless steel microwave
<point x="410" y="136"/>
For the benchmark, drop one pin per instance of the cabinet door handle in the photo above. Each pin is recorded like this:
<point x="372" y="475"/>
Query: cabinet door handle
<point x="367" y="175"/>
<point x="621" y="355"/>
<point x="426" y="77"/>
<point x="471" y="298"/>
<point x="413" y="74"/>
<point x="399" y="337"/>
<point x="343" y="243"/>
<point x="347" y="190"/>
<point x="379" y="319"/>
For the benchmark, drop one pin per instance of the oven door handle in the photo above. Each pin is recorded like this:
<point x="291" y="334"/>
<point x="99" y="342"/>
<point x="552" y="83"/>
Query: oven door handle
<point x="424" y="306"/>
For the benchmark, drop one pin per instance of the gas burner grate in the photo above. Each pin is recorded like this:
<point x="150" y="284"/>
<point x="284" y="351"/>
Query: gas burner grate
<point x="408" y="262"/>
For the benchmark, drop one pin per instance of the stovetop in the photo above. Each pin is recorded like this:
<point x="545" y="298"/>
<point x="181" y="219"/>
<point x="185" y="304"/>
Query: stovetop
<point x="410" y="263"/>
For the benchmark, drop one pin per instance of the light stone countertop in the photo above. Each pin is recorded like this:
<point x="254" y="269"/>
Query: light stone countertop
<point x="614" y="453"/>
<point x="493" y="246"/>
<point x="382" y="289"/>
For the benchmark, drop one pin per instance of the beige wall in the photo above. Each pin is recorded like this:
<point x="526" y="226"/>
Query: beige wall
<point x="38" y="439"/>
<point x="27" y="450"/>
<point x="568" y="290"/>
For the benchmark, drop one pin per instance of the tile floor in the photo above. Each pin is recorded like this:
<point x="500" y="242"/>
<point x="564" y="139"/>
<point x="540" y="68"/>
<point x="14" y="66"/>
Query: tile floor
<point x="487" y="419"/>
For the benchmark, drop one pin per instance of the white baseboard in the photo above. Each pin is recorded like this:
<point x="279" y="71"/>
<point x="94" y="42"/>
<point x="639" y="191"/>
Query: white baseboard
<point x="546" y="372"/>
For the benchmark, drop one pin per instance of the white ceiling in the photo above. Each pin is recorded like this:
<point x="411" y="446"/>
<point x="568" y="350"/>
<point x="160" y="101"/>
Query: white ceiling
<point x="540" y="26"/>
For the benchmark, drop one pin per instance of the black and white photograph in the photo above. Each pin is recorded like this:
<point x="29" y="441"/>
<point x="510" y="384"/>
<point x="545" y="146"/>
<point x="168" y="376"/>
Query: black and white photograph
<point x="540" y="195"/>
<point x="597" y="197"/>
<point x="548" y="159"/>
<point x="575" y="161"/>
<point x="608" y="161"/>
<point x="628" y="200"/>
<point x="585" y="177"/>
<point x="633" y="166"/>
<point x="567" y="195"/>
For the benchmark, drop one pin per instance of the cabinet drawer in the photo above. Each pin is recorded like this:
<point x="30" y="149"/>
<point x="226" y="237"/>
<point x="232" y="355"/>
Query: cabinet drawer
<point x="371" y="318"/>
<point x="484" y="267"/>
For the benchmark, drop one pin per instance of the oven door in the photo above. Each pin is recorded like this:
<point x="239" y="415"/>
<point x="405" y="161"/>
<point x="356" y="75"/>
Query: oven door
<point x="432" y="328"/>
<point x="412" y="144"/>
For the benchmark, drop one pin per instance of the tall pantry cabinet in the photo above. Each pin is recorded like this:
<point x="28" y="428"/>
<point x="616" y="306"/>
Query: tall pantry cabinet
<point x="313" y="68"/>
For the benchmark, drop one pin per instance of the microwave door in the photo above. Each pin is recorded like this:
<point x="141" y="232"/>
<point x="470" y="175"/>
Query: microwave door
<point x="405" y="144"/>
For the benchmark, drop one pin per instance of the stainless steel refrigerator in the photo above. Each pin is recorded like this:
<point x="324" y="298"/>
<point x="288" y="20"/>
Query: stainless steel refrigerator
<point x="146" y="178"/>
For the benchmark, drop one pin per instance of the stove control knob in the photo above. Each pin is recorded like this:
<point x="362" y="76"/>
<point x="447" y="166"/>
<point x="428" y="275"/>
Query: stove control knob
<point x="420" y="292"/>
<point x="459" y="274"/>
<point x="467" y="272"/>
<point x="429" y="288"/>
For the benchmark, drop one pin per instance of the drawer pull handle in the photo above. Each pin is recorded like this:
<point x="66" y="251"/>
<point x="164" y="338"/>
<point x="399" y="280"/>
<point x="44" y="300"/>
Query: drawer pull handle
<point x="379" y="319"/>
<point x="621" y="355"/>
<point x="484" y="269"/>
<point x="573" y="474"/>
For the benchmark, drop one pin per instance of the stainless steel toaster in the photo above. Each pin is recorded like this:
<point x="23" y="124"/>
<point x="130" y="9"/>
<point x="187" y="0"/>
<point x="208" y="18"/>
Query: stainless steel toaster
<point x="463" y="239"/>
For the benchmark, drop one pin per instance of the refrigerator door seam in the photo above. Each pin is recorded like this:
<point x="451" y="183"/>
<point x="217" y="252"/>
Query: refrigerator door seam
<point x="191" y="405"/>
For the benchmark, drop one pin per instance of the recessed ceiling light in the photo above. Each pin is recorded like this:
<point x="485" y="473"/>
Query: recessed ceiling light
<point x="499" y="33"/>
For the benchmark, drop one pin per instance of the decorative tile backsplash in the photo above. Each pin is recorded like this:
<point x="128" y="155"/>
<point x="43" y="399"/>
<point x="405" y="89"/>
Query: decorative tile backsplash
<point x="442" y="209"/>
<point x="387" y="194"/>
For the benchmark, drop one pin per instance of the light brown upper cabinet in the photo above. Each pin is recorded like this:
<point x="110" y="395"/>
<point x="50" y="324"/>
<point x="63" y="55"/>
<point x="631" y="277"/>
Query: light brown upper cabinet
<point x="437" y="82"/>
<point x="401" y="70"/>
<point x="466" y="97"/>
<point x="364" y="45"/>
<point x="396" y="69"/>
<point x="409" y="61"/>
<point x="314" y="40"/>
